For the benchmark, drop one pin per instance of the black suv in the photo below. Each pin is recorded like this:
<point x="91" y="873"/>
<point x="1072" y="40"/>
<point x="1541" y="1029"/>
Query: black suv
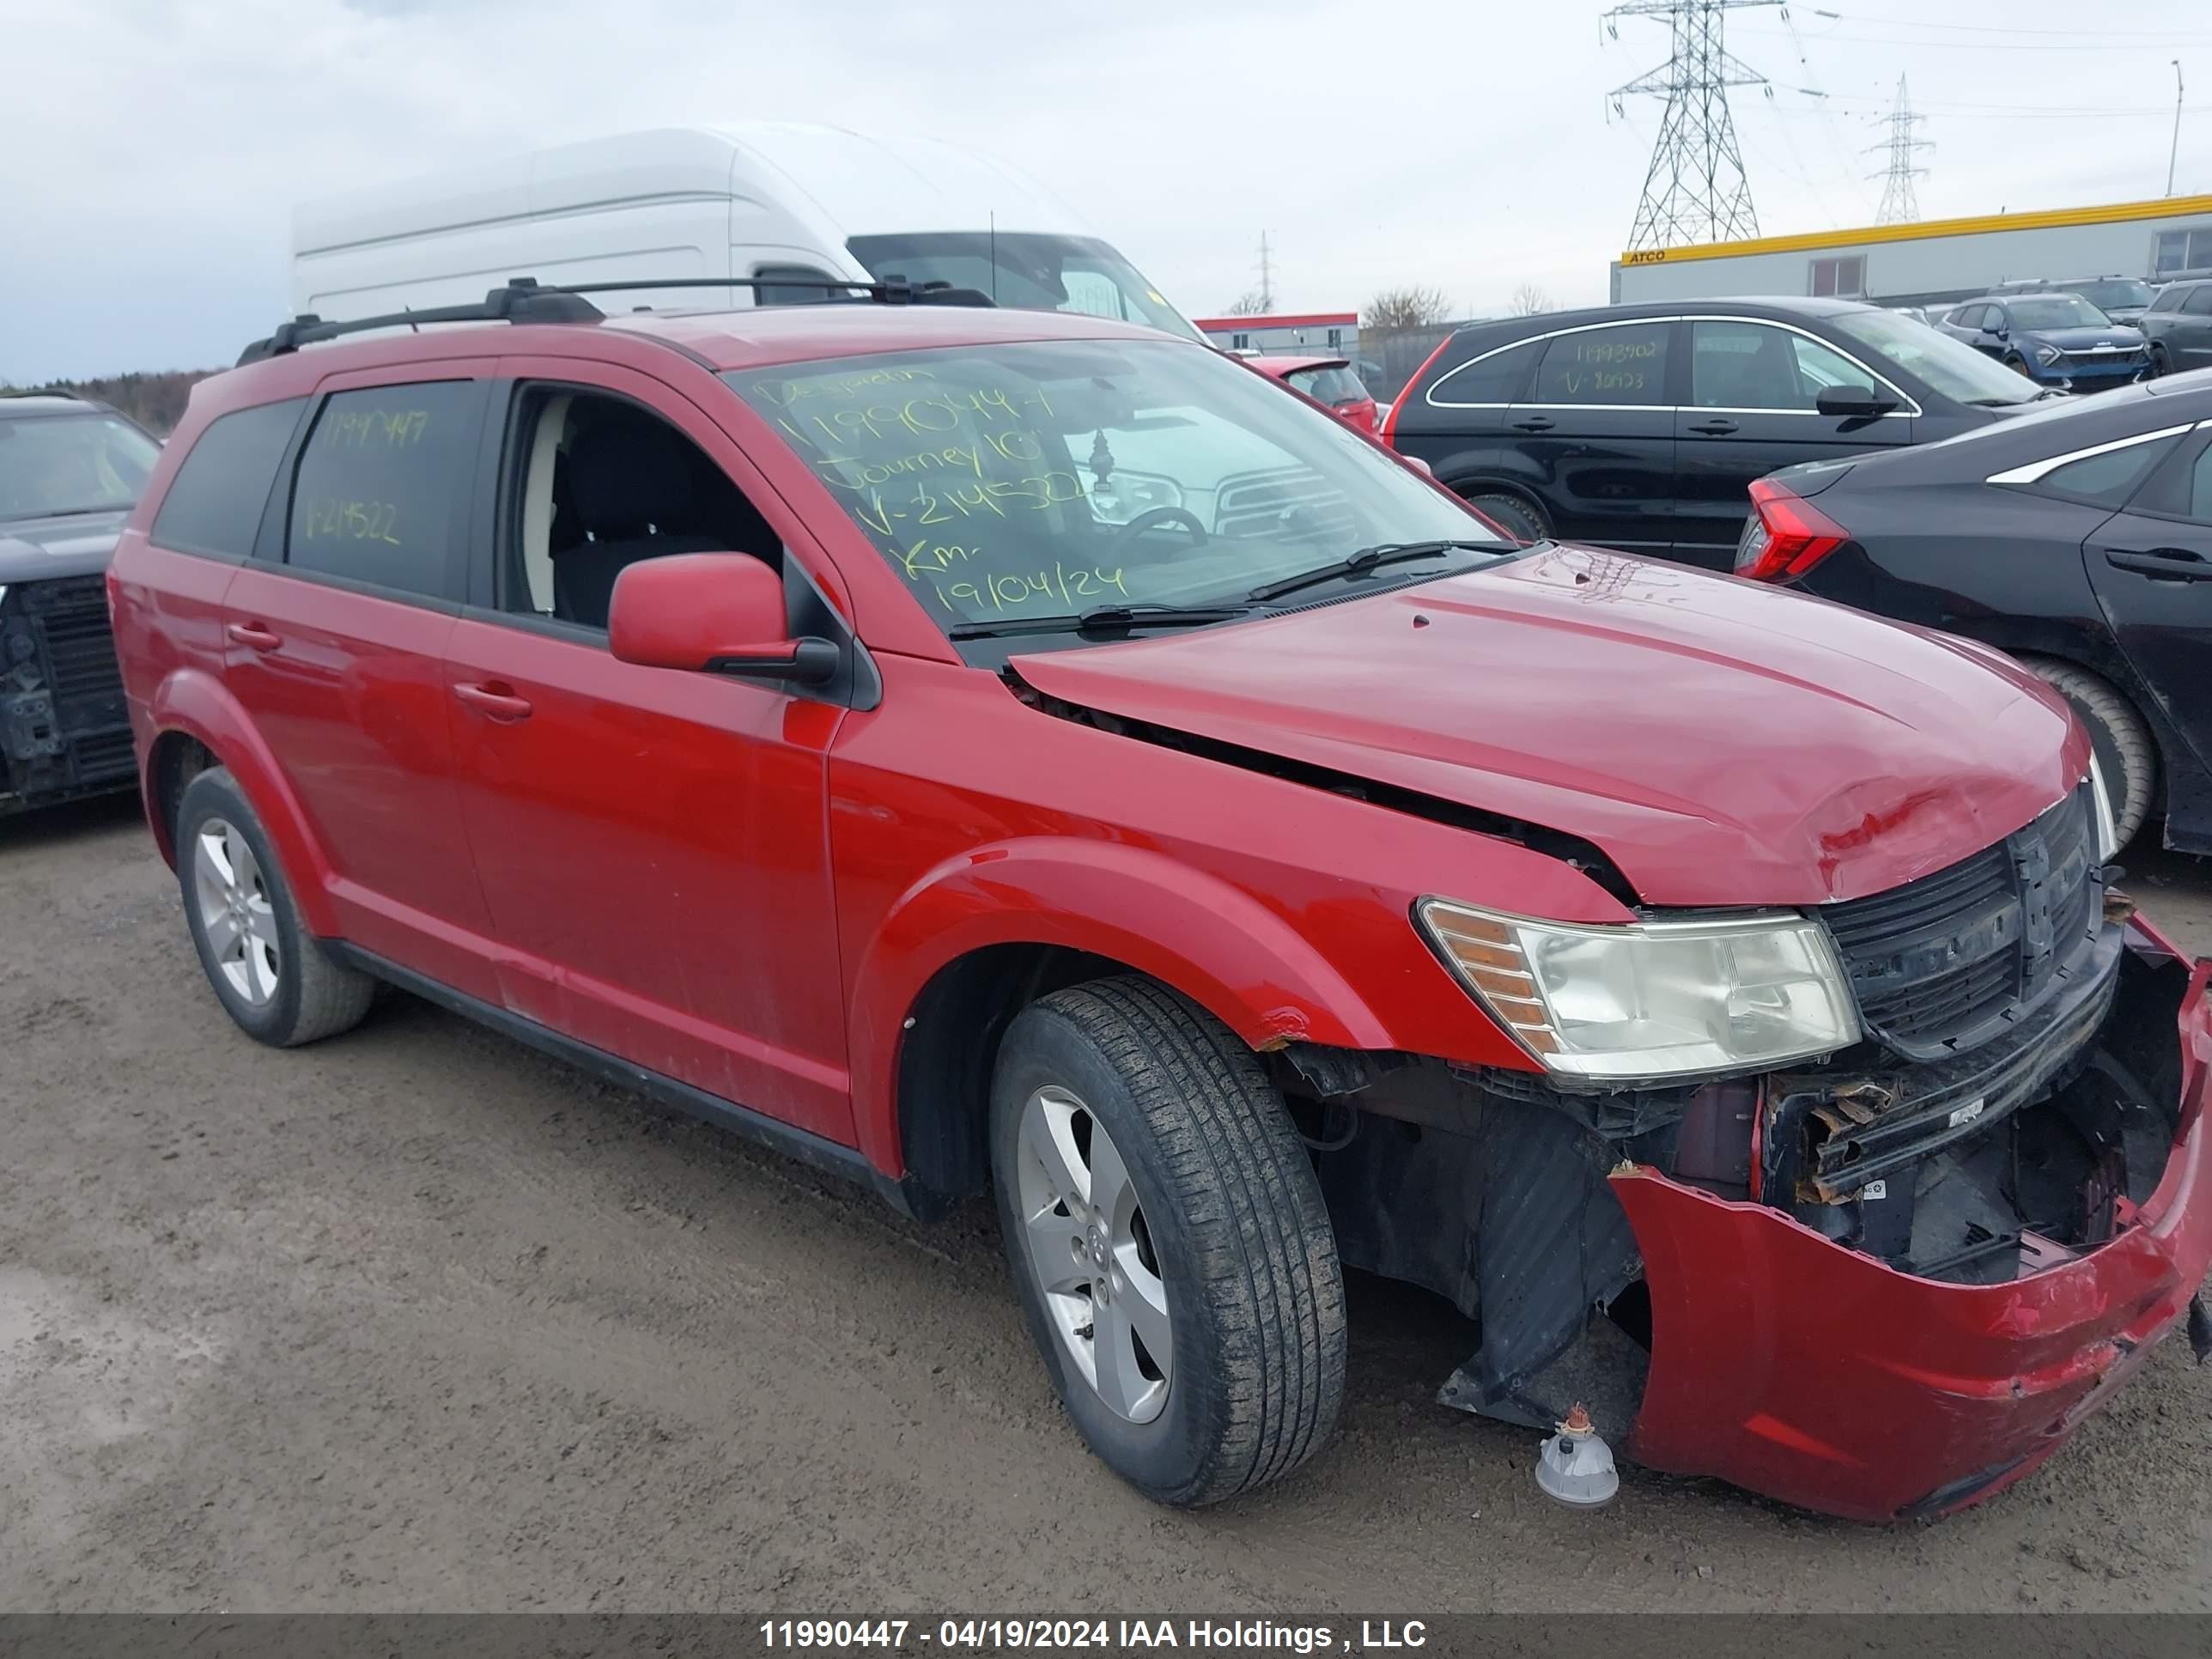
<point x="70" y="471"/>
<point x="2178" y="325"/>
<point x="1641" y="427"/>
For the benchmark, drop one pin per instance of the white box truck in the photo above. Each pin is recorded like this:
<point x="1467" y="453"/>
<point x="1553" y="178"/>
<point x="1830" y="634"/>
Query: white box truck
<point x="762" y="202"/>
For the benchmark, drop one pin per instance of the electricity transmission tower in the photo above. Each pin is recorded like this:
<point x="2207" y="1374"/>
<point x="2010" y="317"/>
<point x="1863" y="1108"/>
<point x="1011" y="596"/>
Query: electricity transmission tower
<point x="1899" y="206"/>
<point x="1695" y="191"/>
<point x="1266" y="278"/>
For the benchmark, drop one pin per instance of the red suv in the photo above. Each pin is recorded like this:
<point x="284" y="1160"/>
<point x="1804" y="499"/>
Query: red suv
<point x="1241" y="865"/>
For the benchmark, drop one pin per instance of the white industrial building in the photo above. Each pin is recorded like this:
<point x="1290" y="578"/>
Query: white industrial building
<point x="1936" y="260"/>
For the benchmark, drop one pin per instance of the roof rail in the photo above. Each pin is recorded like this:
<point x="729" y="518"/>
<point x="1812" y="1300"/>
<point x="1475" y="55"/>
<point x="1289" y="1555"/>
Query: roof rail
<point x="527" y="300"/>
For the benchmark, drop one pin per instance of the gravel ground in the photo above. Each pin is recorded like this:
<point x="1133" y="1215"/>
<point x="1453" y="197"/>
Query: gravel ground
<point x="416" y="1320"/>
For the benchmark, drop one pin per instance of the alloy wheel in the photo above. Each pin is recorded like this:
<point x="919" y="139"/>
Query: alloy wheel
<point x="235" y="912"/>
<point x="1091" y="1251"/>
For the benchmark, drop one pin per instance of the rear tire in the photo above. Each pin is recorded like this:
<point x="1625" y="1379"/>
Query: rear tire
<point x="270" y="974"/>
<point x="2126" y="753"/>
<point x="1523" y="520"/>
<point x="1205" y="1195"/>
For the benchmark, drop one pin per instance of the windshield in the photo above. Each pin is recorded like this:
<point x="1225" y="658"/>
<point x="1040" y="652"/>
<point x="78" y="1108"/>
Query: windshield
<point x="1026" y="272"/>
<point x="1043" y="478"/>
<point x="1949" y="367"/>
<point x="2110" y="296"/>
<point x="2071" y="310"/>
<point x="59" y="464"/>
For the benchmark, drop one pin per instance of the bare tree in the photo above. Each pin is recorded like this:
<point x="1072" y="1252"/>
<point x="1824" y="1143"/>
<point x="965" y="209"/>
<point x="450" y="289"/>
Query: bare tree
<point x="1406" y="307"/>
<point x="1528" y="301"/>
<point x="1247" y="305"/>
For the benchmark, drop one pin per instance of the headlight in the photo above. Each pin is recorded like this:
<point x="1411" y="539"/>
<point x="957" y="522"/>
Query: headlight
<point x="2048" y="355"/>
<point x="1654" y="999"/>
<point x="2108" y="829"/>
<point x="1125" y="495"/>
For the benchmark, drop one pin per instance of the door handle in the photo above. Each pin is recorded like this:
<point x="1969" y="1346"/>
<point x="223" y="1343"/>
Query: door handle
<point x="1714" y="429"/>
<point x="495" y="702"/>
<point x="253" y="635"/>
<point x="1533" y="424"/>
<point x="2164" y="564"/>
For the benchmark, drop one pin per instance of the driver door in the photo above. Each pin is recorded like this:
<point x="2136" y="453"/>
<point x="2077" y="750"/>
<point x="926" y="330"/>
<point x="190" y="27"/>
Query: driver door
<point x="1752" y="409"/>
<point x="651" y="844"/>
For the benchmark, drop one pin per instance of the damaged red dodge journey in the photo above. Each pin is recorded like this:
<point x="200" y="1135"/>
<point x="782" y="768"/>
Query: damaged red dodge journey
<point x="996" y="751"/>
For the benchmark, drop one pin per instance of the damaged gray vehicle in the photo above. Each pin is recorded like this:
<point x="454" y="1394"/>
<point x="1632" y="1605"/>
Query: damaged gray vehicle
<point x="70" y="471"/>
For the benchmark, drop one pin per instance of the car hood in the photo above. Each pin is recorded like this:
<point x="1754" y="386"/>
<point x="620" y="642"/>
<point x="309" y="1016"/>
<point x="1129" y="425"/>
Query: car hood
<point x="2074" y="339"/>
<point x="38" y="550"/>
<point x="1722" y="741"/>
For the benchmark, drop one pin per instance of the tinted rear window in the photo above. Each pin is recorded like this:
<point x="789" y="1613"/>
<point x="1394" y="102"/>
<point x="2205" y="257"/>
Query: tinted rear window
<point x="2110" y="478"/>
<point x="1329" y="385"/>
<point x="215" y="501"/>
<point x="383" y="484"/>
<point x="1495" y="377"/>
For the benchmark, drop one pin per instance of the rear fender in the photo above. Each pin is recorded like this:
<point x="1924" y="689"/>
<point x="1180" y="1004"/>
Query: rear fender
<point x="1213" y="942"/>
<point x="196" y="704"/>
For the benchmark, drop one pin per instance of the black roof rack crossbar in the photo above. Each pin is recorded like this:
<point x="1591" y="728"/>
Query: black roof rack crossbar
<point x="896" y="291"/>
<point x="527" y="300"/>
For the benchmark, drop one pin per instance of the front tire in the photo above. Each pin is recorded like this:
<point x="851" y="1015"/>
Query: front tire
<point x="2126" y="753"/>
<point x="270" y="974"/>
<point x="1168" y="1239"/>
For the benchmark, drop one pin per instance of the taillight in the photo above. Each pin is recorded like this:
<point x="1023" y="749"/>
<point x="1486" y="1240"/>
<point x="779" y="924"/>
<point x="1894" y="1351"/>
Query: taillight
<point x="1785" y="535"/>
<point x="1388" y="435"/>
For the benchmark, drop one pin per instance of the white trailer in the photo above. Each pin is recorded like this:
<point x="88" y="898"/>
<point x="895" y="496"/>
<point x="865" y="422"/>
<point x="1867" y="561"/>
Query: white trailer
<point x="1936" y="260"/>
<point x="782" y="202"/>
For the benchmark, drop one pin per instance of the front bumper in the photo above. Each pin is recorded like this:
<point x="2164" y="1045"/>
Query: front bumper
<point x="1795" y="1367"/>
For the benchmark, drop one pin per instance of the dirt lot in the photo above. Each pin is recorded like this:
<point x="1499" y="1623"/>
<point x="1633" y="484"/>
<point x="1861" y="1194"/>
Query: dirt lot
<point x="416" y="1320"/>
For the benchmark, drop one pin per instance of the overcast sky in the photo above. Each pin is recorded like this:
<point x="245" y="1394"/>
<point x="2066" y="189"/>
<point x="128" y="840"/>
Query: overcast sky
<point x="150" y="152"/>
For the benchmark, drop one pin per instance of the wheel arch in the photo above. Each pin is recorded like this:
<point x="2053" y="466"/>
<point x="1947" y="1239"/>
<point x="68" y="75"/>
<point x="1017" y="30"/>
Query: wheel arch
<point x="981" y="936"/>
<point x="196" y="723"/>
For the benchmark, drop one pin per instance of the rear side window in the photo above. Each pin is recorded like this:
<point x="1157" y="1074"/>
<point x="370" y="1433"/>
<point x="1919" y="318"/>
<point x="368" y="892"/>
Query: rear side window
<point x="1626" y="364"/>
<point x="215" y="502"/>
<point x="1495" y="377"/>
<point x="381" y="494"/>
<point x="2110" y="478"/>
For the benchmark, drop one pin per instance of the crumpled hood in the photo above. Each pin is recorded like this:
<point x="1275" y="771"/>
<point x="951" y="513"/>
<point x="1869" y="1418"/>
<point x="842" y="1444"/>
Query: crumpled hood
<point x="37" y="549"/>
<point x="1722" y="741"/>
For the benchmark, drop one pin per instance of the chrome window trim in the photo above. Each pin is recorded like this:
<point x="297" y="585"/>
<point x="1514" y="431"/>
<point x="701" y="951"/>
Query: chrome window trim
<point x="2034" y="472"/>
<point x="1911" y="407"/>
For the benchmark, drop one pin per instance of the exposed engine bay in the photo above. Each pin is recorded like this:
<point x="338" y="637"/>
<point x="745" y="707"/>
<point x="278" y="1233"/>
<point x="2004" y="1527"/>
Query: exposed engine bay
<point x="2014" y="1098"/>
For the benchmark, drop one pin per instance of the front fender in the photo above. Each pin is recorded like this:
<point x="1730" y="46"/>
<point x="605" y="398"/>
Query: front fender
<point x="1216" y="944"/>
<point x="197" y="704"/>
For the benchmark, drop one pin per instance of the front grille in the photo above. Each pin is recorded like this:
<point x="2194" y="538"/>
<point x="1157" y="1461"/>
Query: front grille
<point x="1943" y="964"/>
<point x="1295" y="498"/>
<point x="69" y="618"/>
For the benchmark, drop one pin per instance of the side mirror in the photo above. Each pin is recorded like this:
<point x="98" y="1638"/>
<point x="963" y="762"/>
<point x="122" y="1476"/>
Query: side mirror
<point x="1418" y="466"/>
<point x="1846" y="403"/>
<point x="715" y="613"/>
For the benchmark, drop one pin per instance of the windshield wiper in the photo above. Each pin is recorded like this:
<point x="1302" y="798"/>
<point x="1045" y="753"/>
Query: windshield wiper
<point x="1368" y="558"/>
<point x="1101" y="618"/>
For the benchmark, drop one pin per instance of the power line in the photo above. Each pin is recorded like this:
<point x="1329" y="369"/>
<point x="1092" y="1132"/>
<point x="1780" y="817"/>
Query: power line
<point x="1695" y="190"/>
<point x="1900" y="205"/>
